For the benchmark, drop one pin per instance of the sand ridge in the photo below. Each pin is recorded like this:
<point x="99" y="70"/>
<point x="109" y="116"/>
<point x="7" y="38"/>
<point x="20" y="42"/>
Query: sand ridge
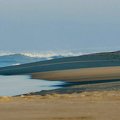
<point x="98" y="73"/>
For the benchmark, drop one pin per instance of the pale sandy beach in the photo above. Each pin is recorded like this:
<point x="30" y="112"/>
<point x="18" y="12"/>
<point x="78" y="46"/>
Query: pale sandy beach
<point x="83" y="74"/>
<point x="84" y="106"/>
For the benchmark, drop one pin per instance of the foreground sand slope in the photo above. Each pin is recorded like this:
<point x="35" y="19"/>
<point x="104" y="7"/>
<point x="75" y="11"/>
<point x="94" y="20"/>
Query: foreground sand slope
<point x="99" y="73"/>
<point x="84" y="106"/>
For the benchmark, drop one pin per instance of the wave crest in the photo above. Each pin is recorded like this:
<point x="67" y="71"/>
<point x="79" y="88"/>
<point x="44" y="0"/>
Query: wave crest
<point x="12" y="58"/>
<point x="48" y="55"/>
<point x="51" y="54"/>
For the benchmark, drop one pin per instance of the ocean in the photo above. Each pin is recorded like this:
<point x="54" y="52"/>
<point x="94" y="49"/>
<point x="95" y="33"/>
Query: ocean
<point x="23" y="84"/>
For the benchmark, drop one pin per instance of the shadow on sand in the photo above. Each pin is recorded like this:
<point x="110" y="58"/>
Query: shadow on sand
<point x="78" y="87"/>
<point x="70" y="84"/>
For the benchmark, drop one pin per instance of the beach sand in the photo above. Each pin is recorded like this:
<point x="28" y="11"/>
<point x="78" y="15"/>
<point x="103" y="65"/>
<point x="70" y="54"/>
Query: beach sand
<point x="95" y="104"/>
<point x="83" y="106"/>
<point x="83" y="74"/>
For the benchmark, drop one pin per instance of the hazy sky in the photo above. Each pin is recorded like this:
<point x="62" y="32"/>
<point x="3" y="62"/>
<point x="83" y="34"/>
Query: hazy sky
<point x="43" y="25"/>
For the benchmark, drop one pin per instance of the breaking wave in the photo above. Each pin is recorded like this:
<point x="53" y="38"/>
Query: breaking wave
<point x="42" y="54"/>
<point x="14" y="58"/>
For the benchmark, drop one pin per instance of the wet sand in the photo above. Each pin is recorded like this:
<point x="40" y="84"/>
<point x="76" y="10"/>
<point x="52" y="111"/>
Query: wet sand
<point x="83" y="106"/>
<point x="83" y="74"/>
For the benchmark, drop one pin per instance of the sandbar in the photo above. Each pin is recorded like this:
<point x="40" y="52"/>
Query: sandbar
<point x="83" y="74"/>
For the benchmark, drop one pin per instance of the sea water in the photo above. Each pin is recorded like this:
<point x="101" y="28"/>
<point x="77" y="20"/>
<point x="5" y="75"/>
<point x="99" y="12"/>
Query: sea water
<point x="22" y="84"/>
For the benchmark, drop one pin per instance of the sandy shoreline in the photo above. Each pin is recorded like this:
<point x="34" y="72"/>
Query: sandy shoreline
<point x="84" y="106"/>
<point x="84" y="74"/>
<point x="98" y="101"/>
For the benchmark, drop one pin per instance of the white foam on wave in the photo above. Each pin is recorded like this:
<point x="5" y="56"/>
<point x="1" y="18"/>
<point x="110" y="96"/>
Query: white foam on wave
<point x="16" y="64"/>
<point x="51" y="54"/>
<point x="48" y="54"/>
<point x="39" y="55"/>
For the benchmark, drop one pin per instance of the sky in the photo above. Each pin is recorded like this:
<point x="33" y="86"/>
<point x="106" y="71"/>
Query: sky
<point x="53" y="25"/>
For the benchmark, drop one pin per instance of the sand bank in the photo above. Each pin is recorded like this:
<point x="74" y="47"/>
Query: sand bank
<point x="83" y="74"/>
<point x="83" y="106"/>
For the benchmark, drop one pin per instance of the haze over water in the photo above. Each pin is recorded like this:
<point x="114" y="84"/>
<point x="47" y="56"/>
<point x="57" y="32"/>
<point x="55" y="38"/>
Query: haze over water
<point x="43" y="25"/>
